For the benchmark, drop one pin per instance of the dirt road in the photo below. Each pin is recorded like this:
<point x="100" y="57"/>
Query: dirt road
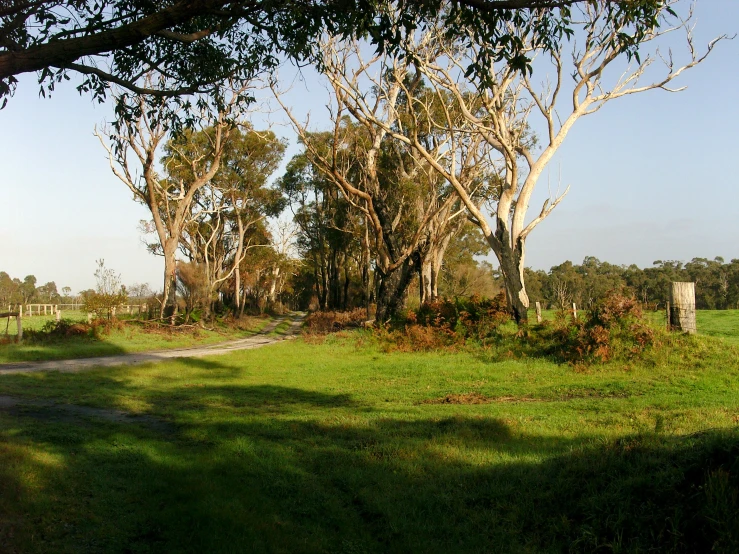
<point x="71" y="366"/>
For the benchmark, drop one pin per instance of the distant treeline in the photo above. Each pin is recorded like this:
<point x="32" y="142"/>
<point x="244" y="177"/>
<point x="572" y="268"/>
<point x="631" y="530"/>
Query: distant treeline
<point x="716" y="282"/>
<point x="464" y="275"/>
<point x="14" y="291"/>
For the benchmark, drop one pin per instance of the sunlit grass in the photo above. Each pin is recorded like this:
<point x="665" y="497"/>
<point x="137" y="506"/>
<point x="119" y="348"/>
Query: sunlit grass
<point x="132" y="337"/>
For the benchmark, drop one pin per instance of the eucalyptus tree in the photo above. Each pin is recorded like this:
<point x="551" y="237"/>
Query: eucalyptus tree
<point x="499" y="112"/>
<point x="331" y="238"/>
<point x="228" y="209"/>
<point x="169" y="192"/>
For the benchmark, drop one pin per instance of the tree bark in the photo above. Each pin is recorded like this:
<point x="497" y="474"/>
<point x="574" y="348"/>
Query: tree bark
<point x="169" y="301"/>
<point x="393" y="290"/>
<point x="237" y="292"/>
<point x="425" y="280"/>
<point x="511" y="259"/>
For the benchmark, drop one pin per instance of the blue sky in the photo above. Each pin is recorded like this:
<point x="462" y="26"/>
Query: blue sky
<point x="652" y="176"/>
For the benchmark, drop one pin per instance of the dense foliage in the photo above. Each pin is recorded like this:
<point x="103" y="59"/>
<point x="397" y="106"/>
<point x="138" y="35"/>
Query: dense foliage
<point x="196" y="44"/>
<point x="716" y="282"/>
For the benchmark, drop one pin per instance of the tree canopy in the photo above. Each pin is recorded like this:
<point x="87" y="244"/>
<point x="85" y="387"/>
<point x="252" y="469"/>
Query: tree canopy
<point x="194" y="44"/>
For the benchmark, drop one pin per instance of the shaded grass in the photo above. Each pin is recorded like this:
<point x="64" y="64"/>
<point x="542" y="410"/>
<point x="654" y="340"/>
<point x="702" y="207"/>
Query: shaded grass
<point x="338" y="447"/>
<point x="133" y="337"/>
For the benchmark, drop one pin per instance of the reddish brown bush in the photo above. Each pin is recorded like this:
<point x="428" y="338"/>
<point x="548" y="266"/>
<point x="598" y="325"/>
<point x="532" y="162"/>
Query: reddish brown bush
<point x="328" y="322"/>
<point x="415" y="338"/>
<point x="613" y="328"/>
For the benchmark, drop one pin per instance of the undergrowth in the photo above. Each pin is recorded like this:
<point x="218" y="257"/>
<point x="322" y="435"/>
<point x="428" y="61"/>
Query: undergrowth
<point x="614" y="329"/>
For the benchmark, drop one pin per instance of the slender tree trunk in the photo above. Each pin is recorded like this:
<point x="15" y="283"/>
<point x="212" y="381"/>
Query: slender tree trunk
<point x="345" y="304"/>
<point x="323" y="298"/>
<point x="273" y="284"/>
<point x="243" y="304"/>
<point x="366" y="270"/>
<point x="169" y="304"/>
<point x="237" y="291"/>
<point x="435" y="270"/>
<point x="436" y="262"/>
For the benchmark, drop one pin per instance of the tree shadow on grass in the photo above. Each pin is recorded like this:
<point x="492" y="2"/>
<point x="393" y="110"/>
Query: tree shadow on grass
<point x="56" y="349"/>
<point x="203" y="363"/>
<point x="280" y="477"/>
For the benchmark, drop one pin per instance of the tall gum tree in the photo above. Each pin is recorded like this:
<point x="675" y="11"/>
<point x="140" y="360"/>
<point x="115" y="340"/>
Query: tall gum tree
<point x="500" y="112"/>
<point x="231" y="205"/>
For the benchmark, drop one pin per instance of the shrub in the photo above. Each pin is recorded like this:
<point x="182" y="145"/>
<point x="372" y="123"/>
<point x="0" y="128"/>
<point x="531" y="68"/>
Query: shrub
<point x="476" y="318"/>
<point x="415" y="338"/>
<point x="446" y="324"/>
<point x="108" y="294"/>
<point x="102" y="304"/>
<point x="614" y="328"/>
<point x="61" y="329"/>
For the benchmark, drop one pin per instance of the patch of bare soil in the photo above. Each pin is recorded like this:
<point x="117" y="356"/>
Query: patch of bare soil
<point x="476" y="398"/>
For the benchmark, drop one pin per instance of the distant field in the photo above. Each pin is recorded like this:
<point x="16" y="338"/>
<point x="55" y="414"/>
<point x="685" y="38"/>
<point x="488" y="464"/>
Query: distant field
<point x="723" y="324"/>
<point x="38" y="321"/>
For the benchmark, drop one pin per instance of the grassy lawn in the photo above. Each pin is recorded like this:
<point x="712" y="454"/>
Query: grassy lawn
<point x="723" y="324"/>
<point x="336" y="446"/>
<point x="131" y="337"/>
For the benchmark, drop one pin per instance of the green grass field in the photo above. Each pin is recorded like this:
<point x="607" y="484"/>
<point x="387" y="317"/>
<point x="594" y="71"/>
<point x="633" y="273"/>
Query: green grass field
<point x="132" y="337"/>
<point x="336" y="446"/>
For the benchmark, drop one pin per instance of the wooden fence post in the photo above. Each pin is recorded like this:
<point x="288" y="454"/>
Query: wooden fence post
<point x="682" y="307"/>
<point x="538" y="312"/>
<point x="58" y="315"/>
<point x="667" y="316"/>
<point x="19" y="321"/>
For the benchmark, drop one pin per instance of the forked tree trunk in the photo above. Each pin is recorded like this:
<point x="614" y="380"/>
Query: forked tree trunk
<point x="511" y="259"/>
<point x="392" y="291"/>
